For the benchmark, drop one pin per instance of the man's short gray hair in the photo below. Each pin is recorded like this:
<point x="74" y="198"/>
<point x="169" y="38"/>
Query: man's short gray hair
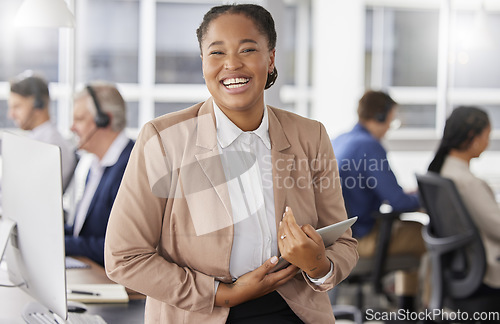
<point x="110" y="101"/>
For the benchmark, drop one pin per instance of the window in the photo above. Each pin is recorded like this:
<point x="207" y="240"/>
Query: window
<point x="177" y="51"/>
<point x="476" y="50"/>
<point x="289" y="43"/>
<point x="404" y="56"/>
<point x="417" y="116"/>
<point x="401" y="51"/>
<point x="162" y="108"/>
<point x="4" y="121"/>
<point x="155" y="61"/>
<point x="132" y="114"/>
<point x="108" y="41"/>
<point x="414" y="47"/>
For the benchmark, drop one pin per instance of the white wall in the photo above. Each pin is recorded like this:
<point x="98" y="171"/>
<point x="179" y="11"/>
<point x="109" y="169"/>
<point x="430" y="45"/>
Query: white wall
<point x="338" y="62"/>
<point x="338" y="77"/>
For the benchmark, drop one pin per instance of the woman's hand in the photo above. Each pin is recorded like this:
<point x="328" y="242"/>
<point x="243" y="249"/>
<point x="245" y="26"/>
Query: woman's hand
<point x="254" y="284"/>
<point x="302" y="246"/>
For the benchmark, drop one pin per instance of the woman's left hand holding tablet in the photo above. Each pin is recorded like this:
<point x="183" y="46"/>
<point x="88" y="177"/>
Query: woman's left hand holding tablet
<point x="302" y="246"/>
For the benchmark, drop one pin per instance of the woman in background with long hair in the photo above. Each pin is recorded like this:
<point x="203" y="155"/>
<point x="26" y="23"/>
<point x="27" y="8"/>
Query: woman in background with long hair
<point x="466" y="136"/>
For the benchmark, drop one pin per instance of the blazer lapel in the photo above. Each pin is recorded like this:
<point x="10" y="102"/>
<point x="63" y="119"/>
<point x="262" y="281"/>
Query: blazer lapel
<point x="282" y="163"/>
<point x="208" y="159"/>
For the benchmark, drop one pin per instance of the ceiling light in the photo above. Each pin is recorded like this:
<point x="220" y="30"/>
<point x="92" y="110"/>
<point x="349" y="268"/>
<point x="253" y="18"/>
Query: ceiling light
<point x="44" y="13"/>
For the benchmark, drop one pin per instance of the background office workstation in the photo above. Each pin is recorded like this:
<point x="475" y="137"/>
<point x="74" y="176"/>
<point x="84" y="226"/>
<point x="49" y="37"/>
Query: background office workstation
<point x="429" y="55"/>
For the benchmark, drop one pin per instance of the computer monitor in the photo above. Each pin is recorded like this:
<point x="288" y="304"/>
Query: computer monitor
<point x="32" y="202"/>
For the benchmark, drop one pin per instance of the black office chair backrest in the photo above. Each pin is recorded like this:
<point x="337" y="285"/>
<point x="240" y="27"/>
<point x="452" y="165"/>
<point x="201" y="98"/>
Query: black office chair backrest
<point x="463" y="266"/>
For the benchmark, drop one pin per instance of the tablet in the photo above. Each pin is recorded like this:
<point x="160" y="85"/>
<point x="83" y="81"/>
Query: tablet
<point x="329" y="234"/>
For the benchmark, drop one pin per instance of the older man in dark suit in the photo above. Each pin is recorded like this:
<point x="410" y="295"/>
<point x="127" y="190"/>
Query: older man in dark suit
<point x="99" y="120"/>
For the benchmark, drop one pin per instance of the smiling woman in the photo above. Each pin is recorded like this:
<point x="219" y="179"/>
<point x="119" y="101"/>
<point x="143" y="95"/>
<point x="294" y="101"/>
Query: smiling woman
<point x="237" y="59"/>
<point x="198" y="225"/>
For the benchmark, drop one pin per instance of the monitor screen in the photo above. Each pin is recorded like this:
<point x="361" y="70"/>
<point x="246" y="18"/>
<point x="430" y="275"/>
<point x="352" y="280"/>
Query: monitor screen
<point x="32" y="199"/>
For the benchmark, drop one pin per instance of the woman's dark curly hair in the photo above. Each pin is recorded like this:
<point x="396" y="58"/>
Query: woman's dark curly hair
<point x="261" y="18"/>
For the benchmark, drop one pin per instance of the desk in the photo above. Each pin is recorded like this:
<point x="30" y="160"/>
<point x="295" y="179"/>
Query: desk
<point x="13" y="300"/>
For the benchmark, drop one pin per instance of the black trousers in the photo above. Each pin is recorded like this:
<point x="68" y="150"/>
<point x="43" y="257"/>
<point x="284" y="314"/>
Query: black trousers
<point x="268" y="309"/>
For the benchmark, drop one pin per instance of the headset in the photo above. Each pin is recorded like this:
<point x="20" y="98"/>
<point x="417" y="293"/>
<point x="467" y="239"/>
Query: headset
<point x="101" y="119"/>
<point x="381" y="117"/>
<point x="38" y="103"/>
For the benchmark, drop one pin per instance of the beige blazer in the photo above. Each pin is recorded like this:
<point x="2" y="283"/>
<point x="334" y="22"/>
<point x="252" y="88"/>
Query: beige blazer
<point x="170" y="232"/>
<point x="480" y="201"/>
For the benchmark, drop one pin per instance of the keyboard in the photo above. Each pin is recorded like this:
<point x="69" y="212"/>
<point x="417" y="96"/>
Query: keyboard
<point x="35" y="313"/>
<point x="73" y="318"/>
<point x="72" y="263"/>
<point x="83" y="318"/>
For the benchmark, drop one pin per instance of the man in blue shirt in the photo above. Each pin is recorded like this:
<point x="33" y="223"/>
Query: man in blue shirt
<point x="368" y="182"/>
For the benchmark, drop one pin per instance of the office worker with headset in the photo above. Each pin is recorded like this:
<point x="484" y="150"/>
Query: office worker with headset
<point x="99" y="120"/>
<point x="368" y="182"/>
<point x="28" y="107"/>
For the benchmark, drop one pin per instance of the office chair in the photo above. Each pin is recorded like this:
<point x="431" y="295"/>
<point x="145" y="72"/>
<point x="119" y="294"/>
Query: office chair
<point x="371" y="270"/>
<point x="70" y="180"/>
<point x="457" y="254"/>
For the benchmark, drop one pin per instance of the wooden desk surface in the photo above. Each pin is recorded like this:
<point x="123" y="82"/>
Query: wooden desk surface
<point x="94" y="275"/>
<point x="13" y="300"/>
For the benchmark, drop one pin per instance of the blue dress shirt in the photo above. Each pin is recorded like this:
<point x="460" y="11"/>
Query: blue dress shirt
<point x="367" y="179"/>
